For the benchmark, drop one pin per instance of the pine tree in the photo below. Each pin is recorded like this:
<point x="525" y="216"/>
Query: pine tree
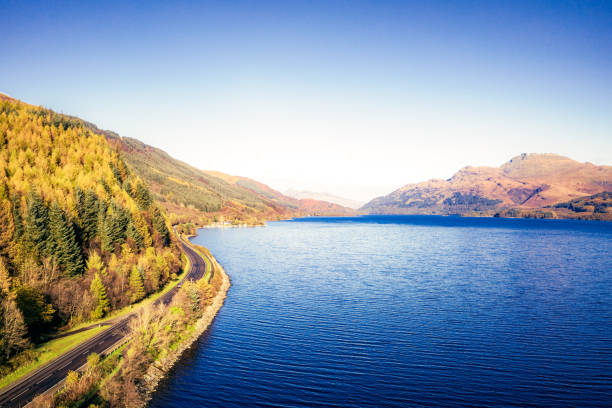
<point x="194" y="297"/>
<point x="79" y="199"/>
<point x="101" y="220"/>
<point x="159" y="223"/>
<point x="64" y="244"/>
<point x="37" y="220"/>
<point x="134" y="235"/>
<point x="116" y="173"/>
<point x="19" y="243"/>
<point x="114" y="227"/>
<point x="142" y="195"/>
<point x="105" y="186"/>
<point x="136" y="285"/>
<point x="98" y="291"/>
<point x="120" y="170"/>
<point x="106" y="233"/>
<point x="88" y="207"/>
<point x="141" y="225"/>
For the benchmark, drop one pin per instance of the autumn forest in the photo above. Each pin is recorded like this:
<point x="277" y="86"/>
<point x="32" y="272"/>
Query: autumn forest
<point x="80" y="235"/>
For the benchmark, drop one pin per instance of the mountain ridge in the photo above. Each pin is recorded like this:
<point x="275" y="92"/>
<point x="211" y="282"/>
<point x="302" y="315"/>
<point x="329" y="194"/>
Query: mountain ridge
<point x="201" y="197"/>
<point x="192" y="195"/>
<point x="527" y="182"/>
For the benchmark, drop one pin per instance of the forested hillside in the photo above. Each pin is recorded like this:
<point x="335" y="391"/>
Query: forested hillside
<point x="191" y="195"/>
<point x="80" y="234"/>
<point x="596" y="206"/>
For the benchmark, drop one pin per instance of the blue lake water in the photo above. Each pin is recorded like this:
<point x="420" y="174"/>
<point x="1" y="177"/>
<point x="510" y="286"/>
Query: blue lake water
<point x="403" y="311"/>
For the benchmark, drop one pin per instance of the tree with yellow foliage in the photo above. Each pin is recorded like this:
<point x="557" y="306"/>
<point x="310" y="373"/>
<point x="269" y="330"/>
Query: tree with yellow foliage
<point x="65" y="196"/>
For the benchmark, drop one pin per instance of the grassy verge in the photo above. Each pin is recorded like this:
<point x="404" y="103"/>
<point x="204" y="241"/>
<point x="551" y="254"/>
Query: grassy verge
<point x="200" y="250"/>
<point x="49" y="351"/>
<point x="81" y="388"/>
<point x="113" y="363"/>
<point x="203" y="252"/>
<point x="52" y="349"/>
<point x="150" y="299"/>
<point x="159" y="339"/>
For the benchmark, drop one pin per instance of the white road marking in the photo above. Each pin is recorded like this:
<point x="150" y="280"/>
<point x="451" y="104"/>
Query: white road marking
<point x="19" y="395"/>
<point x="68" y="363"/>
<point x="48" y="375"/>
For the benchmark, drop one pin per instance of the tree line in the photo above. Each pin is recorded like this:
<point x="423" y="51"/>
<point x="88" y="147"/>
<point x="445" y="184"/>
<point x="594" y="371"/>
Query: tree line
<point x="80" y="235"/>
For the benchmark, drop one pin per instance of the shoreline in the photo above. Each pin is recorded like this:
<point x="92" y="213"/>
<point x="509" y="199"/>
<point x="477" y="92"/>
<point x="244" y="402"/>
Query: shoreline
<point x="155" y="371"/>
<point x="160" y="369"/>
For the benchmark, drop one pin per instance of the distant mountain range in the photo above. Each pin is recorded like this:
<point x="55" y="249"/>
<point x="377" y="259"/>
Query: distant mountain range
<point x="345" y="202"/>
<point x="529" y="185"/>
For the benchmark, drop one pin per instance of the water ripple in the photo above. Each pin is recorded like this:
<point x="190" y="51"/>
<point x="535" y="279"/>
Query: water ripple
<point x="406" y="311"/>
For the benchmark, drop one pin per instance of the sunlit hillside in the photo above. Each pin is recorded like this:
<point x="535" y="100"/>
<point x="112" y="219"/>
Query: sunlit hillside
<point x="202" y="197"/>
<point x="80" y="234"/>
<point x="529" y="185"/>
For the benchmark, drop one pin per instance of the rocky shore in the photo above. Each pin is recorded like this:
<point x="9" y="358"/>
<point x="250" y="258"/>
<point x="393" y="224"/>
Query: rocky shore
<point x="159" y="369"/>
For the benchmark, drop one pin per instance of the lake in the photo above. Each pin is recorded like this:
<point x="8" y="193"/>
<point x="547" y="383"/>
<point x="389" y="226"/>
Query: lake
<point x="400" y="311"/>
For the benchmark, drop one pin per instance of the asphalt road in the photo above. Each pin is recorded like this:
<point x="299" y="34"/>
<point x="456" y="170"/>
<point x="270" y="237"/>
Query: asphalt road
<point x="22" y="392"/>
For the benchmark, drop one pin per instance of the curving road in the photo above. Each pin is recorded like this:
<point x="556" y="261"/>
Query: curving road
<point x="51" y="374"/>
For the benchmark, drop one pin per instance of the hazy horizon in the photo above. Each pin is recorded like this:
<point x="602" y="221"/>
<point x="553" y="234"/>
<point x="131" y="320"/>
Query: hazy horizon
<point x="354" y="99"/>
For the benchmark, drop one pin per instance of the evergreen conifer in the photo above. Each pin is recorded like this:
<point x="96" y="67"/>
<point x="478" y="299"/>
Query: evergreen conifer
<point x="159" y="223"/>
<point x="98" y="291"/>
<point x="63" y="242"/>
<point x="37" y="220"/>
<point x="88" y="207"/>
<point x="136" y="285"/>
<point x="134" y="234"/>
<point x="114" y="228"/>
<point x="142" y="195"/>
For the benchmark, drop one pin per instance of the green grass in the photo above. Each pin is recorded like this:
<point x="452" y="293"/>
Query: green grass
<point x="105" y="379"/>
<point x="206" y="261"/>
<point x="56" y="347"/>
<point x="49" y="351"/>
<point x="148" y="300"/>
<point x="202" y="255"/>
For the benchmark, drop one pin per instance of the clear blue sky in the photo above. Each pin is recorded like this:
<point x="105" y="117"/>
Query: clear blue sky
<point x="351" y="97"/>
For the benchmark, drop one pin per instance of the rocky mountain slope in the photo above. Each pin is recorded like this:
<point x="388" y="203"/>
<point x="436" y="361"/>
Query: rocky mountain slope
<point x="527" y="183"/>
